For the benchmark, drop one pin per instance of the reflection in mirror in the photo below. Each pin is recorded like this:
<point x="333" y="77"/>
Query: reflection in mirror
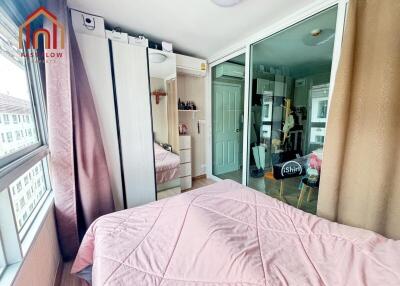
<point x="164" y="105"/>
<point x="288" y="108"/>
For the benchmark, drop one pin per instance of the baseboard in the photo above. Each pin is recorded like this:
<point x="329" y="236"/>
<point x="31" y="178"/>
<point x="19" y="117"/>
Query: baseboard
<point x="204" y="176"/>
<point x="60" y="268"/>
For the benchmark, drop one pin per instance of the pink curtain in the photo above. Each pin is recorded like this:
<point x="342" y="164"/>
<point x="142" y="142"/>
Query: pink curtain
<point x="78" y="166"/>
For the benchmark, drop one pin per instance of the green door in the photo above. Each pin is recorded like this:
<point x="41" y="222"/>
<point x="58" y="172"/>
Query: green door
<point x="227" y="108"/>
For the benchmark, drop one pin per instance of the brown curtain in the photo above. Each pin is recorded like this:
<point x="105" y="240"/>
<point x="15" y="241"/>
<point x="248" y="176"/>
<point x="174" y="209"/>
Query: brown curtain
<point x="172" y="113"/>
<point x="360" y="183"/>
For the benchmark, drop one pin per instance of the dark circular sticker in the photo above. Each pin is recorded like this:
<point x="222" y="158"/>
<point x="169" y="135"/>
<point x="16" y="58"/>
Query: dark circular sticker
<point x="291" y="168"/>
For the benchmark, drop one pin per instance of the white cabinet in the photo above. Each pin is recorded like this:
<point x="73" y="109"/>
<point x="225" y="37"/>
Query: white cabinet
<point x="186" y="182"/>
<point x="185" y="142"/>
<point x="185" y="170"/>
<point x="186" y="156"/>
<point x="263" y="85"/>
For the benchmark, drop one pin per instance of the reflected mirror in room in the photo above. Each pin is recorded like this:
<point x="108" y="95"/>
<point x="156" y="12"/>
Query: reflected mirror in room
<point x="164" y="105"/>
<point x="288" y="107"/>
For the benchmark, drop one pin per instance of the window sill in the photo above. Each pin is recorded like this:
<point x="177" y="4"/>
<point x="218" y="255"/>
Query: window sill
<point x="9" y="274"/>
<point x="11" y="271"/>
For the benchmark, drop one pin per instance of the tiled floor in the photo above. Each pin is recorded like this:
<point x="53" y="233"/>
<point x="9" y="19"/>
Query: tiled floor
<point x="235" y="176"/>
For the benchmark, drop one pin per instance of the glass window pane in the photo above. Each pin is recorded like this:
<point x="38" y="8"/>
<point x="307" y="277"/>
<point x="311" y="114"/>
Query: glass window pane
<point x="17" y="123"/>
<point x="26" y="193"/>
<point x="2" y="259"/>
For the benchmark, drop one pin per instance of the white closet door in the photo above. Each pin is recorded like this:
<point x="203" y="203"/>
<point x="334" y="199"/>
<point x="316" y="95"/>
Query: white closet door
<point x="134" y="113"/>
<point x="96" y="58"/>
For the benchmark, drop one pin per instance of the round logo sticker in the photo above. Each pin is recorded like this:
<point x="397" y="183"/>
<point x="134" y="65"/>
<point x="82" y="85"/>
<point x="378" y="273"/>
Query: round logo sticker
<point x="291" y="168"/>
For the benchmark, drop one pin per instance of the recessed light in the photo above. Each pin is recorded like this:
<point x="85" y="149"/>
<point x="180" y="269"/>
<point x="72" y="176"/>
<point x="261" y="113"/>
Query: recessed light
<point x="226" y="3"/>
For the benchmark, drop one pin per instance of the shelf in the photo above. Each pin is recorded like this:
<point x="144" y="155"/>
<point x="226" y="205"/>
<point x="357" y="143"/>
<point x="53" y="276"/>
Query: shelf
<point x="188" y="110"/>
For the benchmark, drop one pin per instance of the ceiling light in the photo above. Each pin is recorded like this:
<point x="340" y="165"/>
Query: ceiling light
<point x="318" y="37"/>
<point x="157" y="58"/>
<point x="226" y="3"/>
<point x="315" y="32"/>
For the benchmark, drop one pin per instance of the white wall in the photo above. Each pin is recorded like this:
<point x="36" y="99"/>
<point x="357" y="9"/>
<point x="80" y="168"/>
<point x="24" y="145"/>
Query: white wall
<point x="193" y="89"/>
<point x="40" y="265"/>
<point x="159" y="111"/>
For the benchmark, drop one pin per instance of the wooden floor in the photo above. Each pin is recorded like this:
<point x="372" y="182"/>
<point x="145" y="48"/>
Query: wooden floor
<point x="70" y="280"/>
<point x="67" y="279"/>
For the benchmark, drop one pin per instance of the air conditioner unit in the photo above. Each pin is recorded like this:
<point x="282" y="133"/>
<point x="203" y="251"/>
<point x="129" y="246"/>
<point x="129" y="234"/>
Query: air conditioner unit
<point x="230" y="70"/>
<point x="191" y="66"/>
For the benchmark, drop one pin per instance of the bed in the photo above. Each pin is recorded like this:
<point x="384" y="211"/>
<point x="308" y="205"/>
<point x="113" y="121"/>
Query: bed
<point x="167" y="165"/>
<point x="228" y="234"/>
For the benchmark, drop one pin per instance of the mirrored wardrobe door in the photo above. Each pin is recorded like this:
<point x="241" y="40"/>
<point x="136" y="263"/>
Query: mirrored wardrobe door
<point x="288" y="107"/>
<point x="164" y="106"/>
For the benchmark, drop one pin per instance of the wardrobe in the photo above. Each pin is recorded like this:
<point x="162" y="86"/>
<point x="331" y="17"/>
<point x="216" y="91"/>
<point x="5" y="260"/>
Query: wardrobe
<point x="118" y="74"/>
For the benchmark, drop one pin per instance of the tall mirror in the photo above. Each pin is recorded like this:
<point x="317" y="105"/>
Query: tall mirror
<point x="164" y="105"/>
<point x="288" y="110"/>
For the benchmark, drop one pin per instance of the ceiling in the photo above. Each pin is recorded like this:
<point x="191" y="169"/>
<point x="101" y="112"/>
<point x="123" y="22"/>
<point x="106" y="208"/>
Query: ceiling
<point x="195" y="27"/>
<point x="287" y="48"/>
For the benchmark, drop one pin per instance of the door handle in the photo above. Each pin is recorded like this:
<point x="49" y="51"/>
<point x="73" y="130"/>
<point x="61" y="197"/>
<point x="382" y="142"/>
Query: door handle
<point x="237" y="130"/>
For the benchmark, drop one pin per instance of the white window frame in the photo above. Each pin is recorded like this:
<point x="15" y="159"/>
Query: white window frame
<point x="15" y="244"/>
<point x="3" y="262"/>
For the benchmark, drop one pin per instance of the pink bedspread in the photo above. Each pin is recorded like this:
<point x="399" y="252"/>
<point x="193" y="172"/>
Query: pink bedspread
<point x="228" y="234"/>
<point x="167" y="164"/>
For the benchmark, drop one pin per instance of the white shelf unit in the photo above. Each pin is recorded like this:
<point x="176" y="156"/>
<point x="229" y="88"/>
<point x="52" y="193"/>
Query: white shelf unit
<point x="185" y="153"/>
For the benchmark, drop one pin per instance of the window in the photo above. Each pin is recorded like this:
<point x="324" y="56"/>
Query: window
<point x="15" y="119"/>
<point x="15" y="100"/>
<point x="9" y="137"/>
<point x="322" y="108"/>
<point x="6" y="119"/>
<point x="24" y="177"/>
<point x="31" y="187"/>
<point x="2" y="258"/>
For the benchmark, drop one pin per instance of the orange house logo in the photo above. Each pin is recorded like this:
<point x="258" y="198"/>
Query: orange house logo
<point x="50" y="38"/>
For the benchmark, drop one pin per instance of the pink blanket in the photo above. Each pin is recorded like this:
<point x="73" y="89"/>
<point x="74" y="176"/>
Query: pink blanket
<point x="167" y="164"/>
<point x="228" y="234"/>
